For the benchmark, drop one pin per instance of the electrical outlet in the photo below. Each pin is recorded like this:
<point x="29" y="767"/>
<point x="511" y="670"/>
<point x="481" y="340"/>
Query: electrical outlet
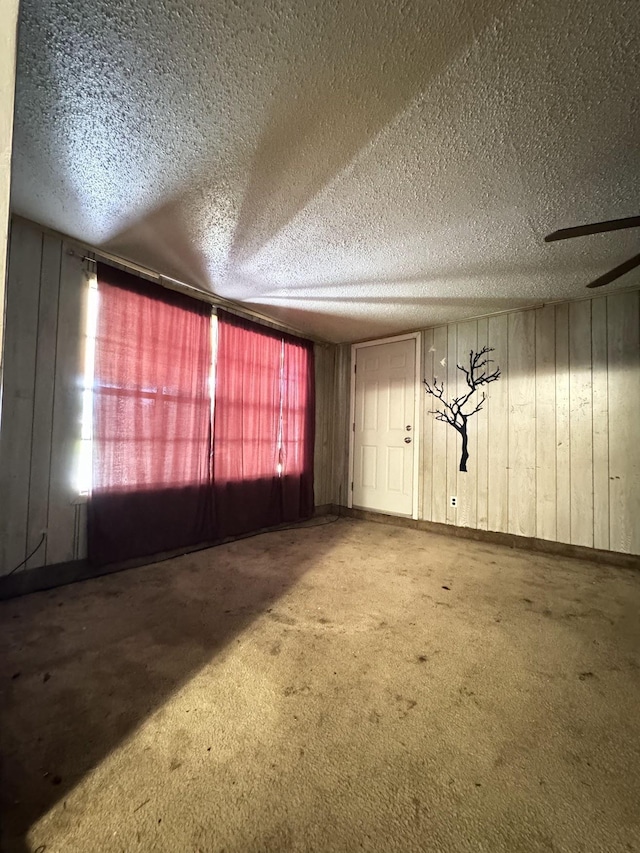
<point x="453" y="501"/>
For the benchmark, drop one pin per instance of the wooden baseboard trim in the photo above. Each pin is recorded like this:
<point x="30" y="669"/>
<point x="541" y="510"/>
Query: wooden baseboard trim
<point x="543" y="546"/>
<point x="44" y="577"/>
<point x="61" y="574"/>
<point x="324" y="509"/>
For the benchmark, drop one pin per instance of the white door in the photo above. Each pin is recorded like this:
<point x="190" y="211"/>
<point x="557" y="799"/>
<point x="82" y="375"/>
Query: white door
<point x="384" y="427"/>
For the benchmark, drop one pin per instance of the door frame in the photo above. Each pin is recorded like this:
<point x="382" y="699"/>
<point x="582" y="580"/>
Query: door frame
<point x="417" y="336"/>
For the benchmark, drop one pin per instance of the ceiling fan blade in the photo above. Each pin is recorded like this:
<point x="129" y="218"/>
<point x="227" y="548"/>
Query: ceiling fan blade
<point x="616" y="272"/>
<point x="593" y="228"/>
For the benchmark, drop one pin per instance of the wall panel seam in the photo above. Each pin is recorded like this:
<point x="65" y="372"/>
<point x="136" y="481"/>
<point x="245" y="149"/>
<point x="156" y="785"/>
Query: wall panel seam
<point x="555" y="418"/>
<point x="606" y="338"/>
<point x="593" y="467"/>
<point x="27" y="549"/>
<point x="53" y="398"/>
<point x="509" y="426"/>
<point x="569" y="420"/>
<point x="535" y="421"/>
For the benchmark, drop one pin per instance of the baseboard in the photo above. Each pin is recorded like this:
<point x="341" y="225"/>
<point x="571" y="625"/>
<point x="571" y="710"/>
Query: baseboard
<point x="44" y="577"/>
<point x="324" y="509"/>
<point x="545" y="546"/>
<point x="61" y="574"/>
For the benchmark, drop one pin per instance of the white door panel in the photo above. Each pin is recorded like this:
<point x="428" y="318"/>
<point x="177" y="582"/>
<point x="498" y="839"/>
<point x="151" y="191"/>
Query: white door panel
<point x="383" y="459"/>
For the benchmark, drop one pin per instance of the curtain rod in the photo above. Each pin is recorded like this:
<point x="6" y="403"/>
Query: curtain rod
<point x="175" y="284"/>
<point x="169" y="282"/>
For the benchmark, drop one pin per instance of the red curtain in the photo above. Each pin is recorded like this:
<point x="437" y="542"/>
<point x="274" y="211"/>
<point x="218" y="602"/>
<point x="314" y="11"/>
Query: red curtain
<point x="298" y="428"/>
<point x="263" y="427"/>
<point x="151" y="420"/>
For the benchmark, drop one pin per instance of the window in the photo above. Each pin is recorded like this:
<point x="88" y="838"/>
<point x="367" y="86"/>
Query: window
<point x="151" y="426"/>
<point x="263" y="427"/>
<point x="263" y="396"/>
<point x="172" y="463"/>
<point x="83" y="475"/>
<point x="151" y="389"/>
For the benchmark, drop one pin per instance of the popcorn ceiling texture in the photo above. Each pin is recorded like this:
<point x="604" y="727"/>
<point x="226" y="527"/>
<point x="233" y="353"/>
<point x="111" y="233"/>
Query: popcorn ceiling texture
<point x="354" y="169"/>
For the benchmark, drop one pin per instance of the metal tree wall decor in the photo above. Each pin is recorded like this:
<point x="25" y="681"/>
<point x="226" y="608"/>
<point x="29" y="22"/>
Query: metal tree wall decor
<point x="452" y="413"/>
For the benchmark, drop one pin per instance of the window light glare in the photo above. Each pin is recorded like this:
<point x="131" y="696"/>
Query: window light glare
<point x="86" y="432"/>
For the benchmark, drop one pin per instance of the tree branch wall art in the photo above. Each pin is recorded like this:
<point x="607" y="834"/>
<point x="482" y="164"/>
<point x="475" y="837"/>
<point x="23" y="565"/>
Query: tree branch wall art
<point x="452" y="413"/>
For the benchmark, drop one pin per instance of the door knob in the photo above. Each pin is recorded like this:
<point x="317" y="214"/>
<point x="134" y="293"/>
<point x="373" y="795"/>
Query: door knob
<point x="407" y="440"/>
<point x="408" y="427"/>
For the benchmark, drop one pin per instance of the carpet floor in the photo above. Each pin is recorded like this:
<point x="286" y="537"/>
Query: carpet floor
<point x="343" y="687"/>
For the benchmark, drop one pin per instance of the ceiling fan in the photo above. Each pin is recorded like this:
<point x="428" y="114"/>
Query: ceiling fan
<point x="598" y="228"/>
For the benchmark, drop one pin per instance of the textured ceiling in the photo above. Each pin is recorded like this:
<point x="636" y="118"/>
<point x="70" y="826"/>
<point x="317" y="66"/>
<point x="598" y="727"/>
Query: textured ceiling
<point x="353" y="168"/>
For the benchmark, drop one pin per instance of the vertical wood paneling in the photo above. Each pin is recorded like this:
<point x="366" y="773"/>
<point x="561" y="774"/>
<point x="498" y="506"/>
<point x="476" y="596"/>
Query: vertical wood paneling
<point x="426" y="439"/>
<point x="439" y="497"/>
<point x="623" y="339"/>
<point x="453" y="439"/>
<point x="563" y="466"/>
<point x="522" y="431"/>
<point x="467" y="340"/>
<point x="498" y="420"/>
<point x="600" y="404"/>
<point x="546" y="422"/>
<point x="554" y="453"/>
<point x="43" y="396"/>
<point x="81" y="548"/>
<point x="482" y="423"/>
<point x="581" y="423"/>
<point x="67" y="409"/>
<point x="21" y="336"/>
<point x="564" y="412"/>
<point x="342" y="425"/>
<point x="325" y="416"/>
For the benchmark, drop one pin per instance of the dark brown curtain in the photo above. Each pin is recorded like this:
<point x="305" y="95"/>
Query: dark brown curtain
<point x="151" y="488"/>
<point x="298" y="428"/>
<point x="263" y="427"/>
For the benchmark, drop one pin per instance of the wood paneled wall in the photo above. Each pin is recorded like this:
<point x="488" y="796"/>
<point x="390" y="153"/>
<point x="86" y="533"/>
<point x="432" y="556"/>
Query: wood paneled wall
<point x="555" y="452"/>
<point x="42" y="402"/>
<point x="325" y="357"/>
<point x="340" y="458"/>
<point x="333" y="364"/>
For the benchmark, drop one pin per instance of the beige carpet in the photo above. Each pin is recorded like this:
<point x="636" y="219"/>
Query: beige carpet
<point x="348" y="687"/>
